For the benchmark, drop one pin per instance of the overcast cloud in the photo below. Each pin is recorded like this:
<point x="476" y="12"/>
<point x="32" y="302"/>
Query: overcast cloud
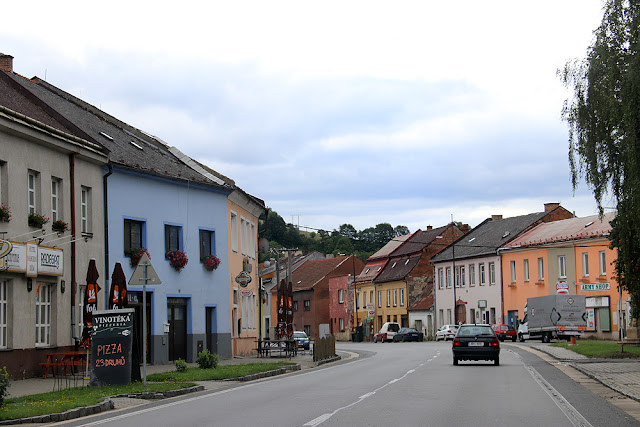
<point x="355" y="112"/>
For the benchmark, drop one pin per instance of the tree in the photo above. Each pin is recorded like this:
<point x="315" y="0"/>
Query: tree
<point x="348" y="231"/>
<point x="604" y="130"/>
<point x="401" y="230"/>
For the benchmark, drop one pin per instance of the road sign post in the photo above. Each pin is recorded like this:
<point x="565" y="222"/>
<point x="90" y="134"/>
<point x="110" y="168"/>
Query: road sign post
<point x="145" y="274"/>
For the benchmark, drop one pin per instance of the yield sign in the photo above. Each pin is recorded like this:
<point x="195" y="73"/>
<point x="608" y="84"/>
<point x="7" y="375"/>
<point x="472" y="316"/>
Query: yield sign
<point x="144" y="270"/>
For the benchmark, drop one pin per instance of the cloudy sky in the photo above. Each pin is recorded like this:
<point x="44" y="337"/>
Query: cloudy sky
<point x="334" y="112"/>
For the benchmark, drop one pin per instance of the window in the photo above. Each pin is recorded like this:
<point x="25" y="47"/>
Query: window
<point x="585" y="264"/>
<point x="456" y="277"/>
<point x="401" y="297"/>
<point x="252" y="241"/>
<point x="525" y="268"/>
<point x="540" y="269"/>
<point x="55" y="200"/>
<point x="449" y="318"/>
<point x="85" y="209"/>
<point x="243" y="237"/>
<point x="4" y="318"/>
<point x="32" y="189"/>
<point x="207" y="243"/>
<point x="441" y="313"/>
<point x="562" y="266"/>
<point x="440" y="279"/>
<point x="364" y="299"/>
<point x="133" y="234"/>
<point x="448" y="277"/>
<point x="492" y="273"/>
<point x="172" y="237"/>
<point x="472" y="275"/>
<point x="358" y="300"/>
<point x="295" y="306"/>
<point x="43" y="314"/>
<point x="513" y="271"/>
<point x="341" y="323"/>
<point x="379" y="299"/>
<point x="388" y="297"/>
<point x="603" y="263"/>
<point x="341" y="296"/>
<point x="462" y="278"/>
<point x="395" y="297"/>
<point x="234" y="232"/>
<point x="307" y="305"/>
<point x="307" y="330"/>
<point x="371" y="297"/>
<point x="482" y="277"/>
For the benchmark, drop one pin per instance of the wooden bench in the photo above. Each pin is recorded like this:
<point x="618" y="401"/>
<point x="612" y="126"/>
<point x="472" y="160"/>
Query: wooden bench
<point x="633" y="342"/>
<point x="64" y="359"/>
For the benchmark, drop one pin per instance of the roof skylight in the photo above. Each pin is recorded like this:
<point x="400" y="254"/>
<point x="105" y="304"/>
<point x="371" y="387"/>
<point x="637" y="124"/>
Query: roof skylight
<point x="106" y="136"/>
<point x="135" y="145"/>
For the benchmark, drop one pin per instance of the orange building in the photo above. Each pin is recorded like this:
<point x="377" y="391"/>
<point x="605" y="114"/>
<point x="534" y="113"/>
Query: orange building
<point x="571" y="255"/>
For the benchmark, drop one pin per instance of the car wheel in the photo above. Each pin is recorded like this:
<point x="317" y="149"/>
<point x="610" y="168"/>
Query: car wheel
<point x="455" y="361"/>
<point x="513" y="339"/>
<point x="520" y="338"/>
<point x="546" y="338"/>
<point x="496" y="361"/>
<point x="501" y="339"/>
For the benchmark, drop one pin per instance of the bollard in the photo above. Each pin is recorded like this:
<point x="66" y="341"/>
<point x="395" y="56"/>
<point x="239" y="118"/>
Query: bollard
<point x="573" y="341"/>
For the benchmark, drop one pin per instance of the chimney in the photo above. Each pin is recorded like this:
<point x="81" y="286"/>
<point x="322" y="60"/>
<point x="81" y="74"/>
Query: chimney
<point x="465" y="228"/>
<point x="496" y="217"/>
<point x="550" y="206"/>
<point x="6" y="62"/>
<point x="429" y="227"/>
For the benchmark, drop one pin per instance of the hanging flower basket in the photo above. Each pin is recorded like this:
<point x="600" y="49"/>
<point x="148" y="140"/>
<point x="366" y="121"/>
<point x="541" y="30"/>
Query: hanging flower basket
<point x="59" y="226"/>
<point x="211" y="262"/>
<point x="177" y="259"/>
<point x="37" y="220"/>
<point x="135" y="254"/>
<point x="5" y="213"/>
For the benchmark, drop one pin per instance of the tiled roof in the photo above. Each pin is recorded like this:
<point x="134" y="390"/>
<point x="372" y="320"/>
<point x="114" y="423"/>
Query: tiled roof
<point x="564" y="230"/>
<point x="418" y="241"/>
<point x="312" y="272"/>
<point x="425" y="302"/>
<point x="488" y="236"/>
<point x="397" y="268"/>
<point x="391" y="246"/>
<point x="129" y="147"/>
<point x="370" y="271"/>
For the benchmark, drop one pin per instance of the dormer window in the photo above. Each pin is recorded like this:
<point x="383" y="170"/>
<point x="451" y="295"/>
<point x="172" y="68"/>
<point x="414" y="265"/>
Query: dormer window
<point x="135" y="145"/>
<point x="106" y="136"/>
<point x="394" y="264"/>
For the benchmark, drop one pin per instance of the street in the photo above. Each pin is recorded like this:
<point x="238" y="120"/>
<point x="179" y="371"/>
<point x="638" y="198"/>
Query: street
<point x="403" y="384"/>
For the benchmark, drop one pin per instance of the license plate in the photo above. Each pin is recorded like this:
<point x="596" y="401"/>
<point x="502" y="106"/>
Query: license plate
<point x="476" y="344"/>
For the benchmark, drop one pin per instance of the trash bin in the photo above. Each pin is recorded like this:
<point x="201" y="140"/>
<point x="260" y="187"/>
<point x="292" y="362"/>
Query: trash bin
<point x="359" y="333"/>
<point x="353" y="336"/>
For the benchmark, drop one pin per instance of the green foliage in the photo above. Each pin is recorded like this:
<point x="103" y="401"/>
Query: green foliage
<point x="604" y="130"/>
<point x="4" y="384"/>
<point x="222" y="372"/>
<point x="601" y="349"/>
<point x="206" y="360"/>
<point x="181" y="365"/>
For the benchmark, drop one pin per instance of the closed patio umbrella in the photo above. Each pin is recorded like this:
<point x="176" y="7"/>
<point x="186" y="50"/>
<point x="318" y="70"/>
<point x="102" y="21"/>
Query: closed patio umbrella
<point x="90" y="302"/>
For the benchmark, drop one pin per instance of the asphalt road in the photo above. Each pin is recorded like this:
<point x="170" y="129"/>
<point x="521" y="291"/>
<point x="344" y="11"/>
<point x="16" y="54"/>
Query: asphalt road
<point x="402" y="384"/>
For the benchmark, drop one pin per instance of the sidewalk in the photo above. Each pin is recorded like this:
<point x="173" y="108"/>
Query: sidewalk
<point x="621" y="375"/>
<point x="40" y="385"/>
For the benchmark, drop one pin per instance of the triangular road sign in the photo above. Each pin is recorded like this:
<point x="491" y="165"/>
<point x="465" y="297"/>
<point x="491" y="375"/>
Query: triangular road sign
<point x="137" y="278"/>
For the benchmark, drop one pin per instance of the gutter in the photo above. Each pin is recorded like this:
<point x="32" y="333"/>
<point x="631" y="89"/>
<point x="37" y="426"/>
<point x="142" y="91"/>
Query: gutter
<point x="105" y="214"/>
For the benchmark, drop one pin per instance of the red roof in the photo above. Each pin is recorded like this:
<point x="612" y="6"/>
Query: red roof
<point x="425" y="302"/>
<point x="312" y="272"/>
<point x="370" y="271"/>
<point x="565" y="230"/>
<point x="391" y="246"/>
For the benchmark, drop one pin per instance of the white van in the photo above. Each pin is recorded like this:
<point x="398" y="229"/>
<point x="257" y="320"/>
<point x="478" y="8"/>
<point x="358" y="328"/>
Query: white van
<point x="387" y="332"/>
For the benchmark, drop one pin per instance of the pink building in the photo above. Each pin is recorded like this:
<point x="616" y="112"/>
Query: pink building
<point x="340" y="308"/>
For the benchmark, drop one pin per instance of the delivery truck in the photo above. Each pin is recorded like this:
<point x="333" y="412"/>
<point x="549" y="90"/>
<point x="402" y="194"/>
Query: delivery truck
<point x="559" y="316"/>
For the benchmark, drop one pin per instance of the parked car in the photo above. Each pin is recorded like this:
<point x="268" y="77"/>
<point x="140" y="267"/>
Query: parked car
<point x="446" y="332"/>
<point x="476" y="342"/>
<point x="408" y="334"/>
<point x="505" y="332"/>
<point x="301" y="339"/>
<point x="387" y="332"/>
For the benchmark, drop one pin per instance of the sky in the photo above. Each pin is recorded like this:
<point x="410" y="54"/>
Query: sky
<point x="361" y="112"/>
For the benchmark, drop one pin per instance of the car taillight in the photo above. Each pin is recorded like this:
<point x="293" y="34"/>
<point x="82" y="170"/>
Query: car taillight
<point x="495" y="342"/>
<point x="456" y="341"/>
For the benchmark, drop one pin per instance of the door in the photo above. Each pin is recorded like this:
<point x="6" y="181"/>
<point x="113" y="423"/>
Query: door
<point x="177" y="317"/>
<point x="461" y="313"/>
<point x="212" y="330"/>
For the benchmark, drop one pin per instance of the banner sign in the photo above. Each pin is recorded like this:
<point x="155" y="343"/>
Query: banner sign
<point x="111" y="345"/>
<point x="34" y="260"/>
<point x="50" y="261"/>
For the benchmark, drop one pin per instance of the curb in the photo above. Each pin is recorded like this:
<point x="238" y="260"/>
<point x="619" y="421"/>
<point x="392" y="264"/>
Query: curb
<point x="106" y="405"/>
<point x="266" y="374"/>
<point x="332" y="359"/>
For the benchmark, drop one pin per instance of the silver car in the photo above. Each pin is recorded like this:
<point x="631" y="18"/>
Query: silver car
<point x="446" y="332"/>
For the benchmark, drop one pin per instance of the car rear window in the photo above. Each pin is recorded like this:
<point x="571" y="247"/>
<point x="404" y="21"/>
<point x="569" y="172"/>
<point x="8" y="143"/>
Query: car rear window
<point x="471" y="331"/>
<point x="299" y="335"/>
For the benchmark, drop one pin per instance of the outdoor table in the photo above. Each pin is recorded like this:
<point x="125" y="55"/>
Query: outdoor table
<point x="64" y="359"/>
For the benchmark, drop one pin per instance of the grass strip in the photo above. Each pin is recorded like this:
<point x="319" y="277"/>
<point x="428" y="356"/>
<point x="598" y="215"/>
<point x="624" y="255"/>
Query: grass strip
<point x="601" y="349"/>
<point x="222" y="372"/>
<point x="64" y="400"/>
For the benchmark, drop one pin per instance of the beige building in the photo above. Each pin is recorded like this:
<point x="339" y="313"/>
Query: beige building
<point x="46" y="175"/>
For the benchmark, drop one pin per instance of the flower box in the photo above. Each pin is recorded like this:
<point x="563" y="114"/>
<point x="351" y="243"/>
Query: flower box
<point x="177" y="259"/>
<point x="59" y="226"/>
<point x="5" y="213"/>
<point x="135" y="254"/>
<point x="211" y="262"/>
<point x="37" y="220"/>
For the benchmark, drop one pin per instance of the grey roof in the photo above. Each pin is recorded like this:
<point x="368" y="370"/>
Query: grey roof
<point x="129" y="148"/>
<point x="397" y="268"/>
<point x="418" y="241"/>
<point x="488" y="236"/>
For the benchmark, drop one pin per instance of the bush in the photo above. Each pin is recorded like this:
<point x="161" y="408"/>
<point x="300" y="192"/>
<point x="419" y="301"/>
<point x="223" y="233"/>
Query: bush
<point x="206" y="360"/>
<point x="4" y="384"/>
<point x="181" y="365"/>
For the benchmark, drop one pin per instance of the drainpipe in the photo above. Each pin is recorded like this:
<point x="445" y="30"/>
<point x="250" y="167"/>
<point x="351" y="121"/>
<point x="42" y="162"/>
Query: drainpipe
<point x="105" y="215"/>
<point x="72" y="178"/>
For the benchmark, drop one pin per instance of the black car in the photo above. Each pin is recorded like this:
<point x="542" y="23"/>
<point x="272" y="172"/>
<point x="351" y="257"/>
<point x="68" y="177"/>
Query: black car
<point x="408" y="334"/>
<point x="476" y="342"/>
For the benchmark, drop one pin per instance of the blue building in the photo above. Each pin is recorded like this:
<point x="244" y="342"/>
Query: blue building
<point x="156" y="199"/>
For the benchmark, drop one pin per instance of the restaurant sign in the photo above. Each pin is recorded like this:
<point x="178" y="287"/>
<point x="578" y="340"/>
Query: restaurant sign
<point x="111" y="347"/>
<point x="35" y="260"/>
<point x="593" y="287"/>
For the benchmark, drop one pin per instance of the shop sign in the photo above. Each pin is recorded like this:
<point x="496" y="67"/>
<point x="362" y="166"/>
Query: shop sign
<point x="246" y="293"/>
<point x="16" y="260"/>
<point x="562" y="287"/>
<point x="32" y="260"/>
<point x="597" y="301"/>
<point x="50" y="261"/>
<point x="111" y="346"/>
<point x="244" y="278"/>
<point x="5" y="248"/>
<point x="594" y="287"/>
<point x="371" y="310"/>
